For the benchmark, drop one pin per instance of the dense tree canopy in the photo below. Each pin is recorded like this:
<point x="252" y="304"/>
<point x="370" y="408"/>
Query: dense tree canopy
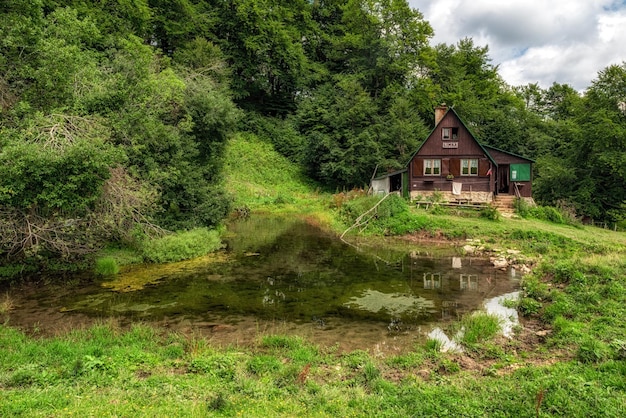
<point x="114" y="114"/>
<point x="89" y="118"/>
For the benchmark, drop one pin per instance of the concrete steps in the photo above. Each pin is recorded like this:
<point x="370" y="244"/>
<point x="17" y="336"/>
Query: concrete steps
<point x="504" y="203"/>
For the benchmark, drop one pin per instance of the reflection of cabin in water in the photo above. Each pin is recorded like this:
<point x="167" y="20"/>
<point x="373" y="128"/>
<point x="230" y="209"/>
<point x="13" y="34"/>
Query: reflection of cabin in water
<point x="432" y="280"/>
<point x="451" y="162"/>
<point x="462" y="285"/>
<point x="468" y="281"/>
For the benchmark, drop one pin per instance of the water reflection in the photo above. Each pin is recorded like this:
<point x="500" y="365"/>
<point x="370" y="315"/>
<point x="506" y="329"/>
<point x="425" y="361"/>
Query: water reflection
<point x="288" y="271"/>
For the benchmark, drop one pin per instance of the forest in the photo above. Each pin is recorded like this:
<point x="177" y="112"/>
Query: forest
<point x="114" y="115"/>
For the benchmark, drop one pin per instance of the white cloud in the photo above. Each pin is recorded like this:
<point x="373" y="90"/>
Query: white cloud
<point x="534" y="41"/>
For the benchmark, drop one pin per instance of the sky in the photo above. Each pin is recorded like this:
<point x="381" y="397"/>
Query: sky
<point x="536" y="41"/>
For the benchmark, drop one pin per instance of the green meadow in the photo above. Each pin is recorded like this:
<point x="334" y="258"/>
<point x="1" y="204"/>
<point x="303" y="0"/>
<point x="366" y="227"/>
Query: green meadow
<point x="566" y="358"/>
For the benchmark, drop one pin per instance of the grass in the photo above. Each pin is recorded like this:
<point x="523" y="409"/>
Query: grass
<point x="105" y="371"/>
<point x="259" y="177"/>
<point x="181" y="246"/>
<point x="568" y="357"/>
<point x="106" y="266"/>
<point x="479" y="327"/>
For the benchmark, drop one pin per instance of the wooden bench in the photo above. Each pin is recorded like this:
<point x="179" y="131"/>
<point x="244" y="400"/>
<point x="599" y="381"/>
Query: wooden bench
<point x="462" y="200"/>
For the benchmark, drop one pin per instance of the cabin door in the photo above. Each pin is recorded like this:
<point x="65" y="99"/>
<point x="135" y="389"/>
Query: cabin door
<point x="503" y="179"/>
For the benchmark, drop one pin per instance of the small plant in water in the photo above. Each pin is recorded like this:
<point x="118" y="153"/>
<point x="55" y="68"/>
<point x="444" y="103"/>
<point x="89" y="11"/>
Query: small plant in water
<point x="433" y="345"/>
<point x="479" y="327"/>
<point x="107" y="266"/>
<point x="6" y="305"/>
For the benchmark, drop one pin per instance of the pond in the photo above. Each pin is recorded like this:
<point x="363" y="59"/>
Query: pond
<point x="280" y="275"/>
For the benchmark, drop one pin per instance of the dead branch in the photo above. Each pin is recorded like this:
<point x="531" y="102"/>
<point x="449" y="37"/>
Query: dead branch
<point x="124" y="206"/>
<point x="60" y="131"/>
<point x="122" y="209"/>
<point x="360" y="222"/>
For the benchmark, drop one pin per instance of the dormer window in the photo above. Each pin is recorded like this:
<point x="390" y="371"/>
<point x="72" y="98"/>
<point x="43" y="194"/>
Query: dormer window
<point x="449" y="133"/>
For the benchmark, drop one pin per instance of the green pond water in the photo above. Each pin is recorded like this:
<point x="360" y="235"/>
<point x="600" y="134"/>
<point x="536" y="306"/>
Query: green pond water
<point x="281" y="275"/>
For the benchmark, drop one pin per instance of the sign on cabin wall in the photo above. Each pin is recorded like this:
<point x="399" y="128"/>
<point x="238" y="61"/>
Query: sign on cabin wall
<point x="450" y="144"/>
<point x="520" y="172"/>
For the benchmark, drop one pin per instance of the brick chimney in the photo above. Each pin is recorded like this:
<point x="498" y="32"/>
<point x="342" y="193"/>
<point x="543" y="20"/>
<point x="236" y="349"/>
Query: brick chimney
<point x="440" y="111"/>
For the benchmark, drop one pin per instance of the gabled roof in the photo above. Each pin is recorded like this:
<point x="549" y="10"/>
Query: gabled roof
<point x="510" y="153"/>
<point x="391" y="173"/>
<point x="451" y="109"/>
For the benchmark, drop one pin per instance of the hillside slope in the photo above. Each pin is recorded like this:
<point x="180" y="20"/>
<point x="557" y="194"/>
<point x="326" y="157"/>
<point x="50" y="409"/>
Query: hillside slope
<point x="256" y="175"/>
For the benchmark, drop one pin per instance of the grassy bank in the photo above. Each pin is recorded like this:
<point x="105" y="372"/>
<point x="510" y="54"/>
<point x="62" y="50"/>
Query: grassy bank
<point x="567" y="357"/>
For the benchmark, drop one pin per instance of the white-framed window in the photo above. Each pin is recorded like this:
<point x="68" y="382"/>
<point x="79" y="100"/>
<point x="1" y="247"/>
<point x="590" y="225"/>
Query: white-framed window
<point x="449" y="133"/>
<point x="469" y="167"/>
<point x="432" y="280"/>
<point x="432" y="167"/>
<point x="469" y="281"/>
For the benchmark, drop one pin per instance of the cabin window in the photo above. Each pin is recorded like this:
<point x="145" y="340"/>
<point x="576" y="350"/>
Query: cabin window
<point x="469" y="167"/>
<point x="449" y="133"/>
<point x="432" y="280"/>
<point x="432" y="167"/>
<point x="469" y="281"/>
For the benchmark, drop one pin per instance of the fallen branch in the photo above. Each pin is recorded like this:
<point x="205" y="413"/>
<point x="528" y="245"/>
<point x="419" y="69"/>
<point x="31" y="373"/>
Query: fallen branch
<point x="359" y="221"/>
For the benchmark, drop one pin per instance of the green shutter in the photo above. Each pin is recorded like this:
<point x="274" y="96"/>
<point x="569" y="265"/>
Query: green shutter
<point x="520" y="172"/>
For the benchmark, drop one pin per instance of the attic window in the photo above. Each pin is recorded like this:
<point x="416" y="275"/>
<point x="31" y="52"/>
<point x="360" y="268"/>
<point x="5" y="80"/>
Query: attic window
<point x="449" y="133"/>
<point x="432" y="167"/>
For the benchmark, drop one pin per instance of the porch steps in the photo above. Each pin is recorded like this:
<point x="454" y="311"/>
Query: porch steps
<point x="504" y="203"/>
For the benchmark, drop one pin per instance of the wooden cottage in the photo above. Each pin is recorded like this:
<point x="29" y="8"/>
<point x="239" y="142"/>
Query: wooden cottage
<point x="452" y="163"/>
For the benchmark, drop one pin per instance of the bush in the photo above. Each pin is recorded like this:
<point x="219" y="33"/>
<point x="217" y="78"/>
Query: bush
<point x="534" y="288"/>
<point x="528" y="306"/>
<point x="558" y="215"/>
<point x="392" y="216"/>
<point x="351" y="208"/>
<point x="181" y="246"/>
<point x="394" y="205"/>
<point x="567" y="272"/>
<point x="491" y="213"/>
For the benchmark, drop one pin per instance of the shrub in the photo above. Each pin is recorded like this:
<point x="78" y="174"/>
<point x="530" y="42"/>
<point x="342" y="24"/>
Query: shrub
<point x="491" y="213"/>
<point x="567" y="272"/>
<point x="528" y="306"/>
<point x="558" y="215"/>
<point x="534" y="288"/>
<point x="181" y="246"/>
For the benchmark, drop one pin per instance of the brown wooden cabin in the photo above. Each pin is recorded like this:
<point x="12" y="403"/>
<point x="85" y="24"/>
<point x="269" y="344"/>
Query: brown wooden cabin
<point x="453" y="163"/>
